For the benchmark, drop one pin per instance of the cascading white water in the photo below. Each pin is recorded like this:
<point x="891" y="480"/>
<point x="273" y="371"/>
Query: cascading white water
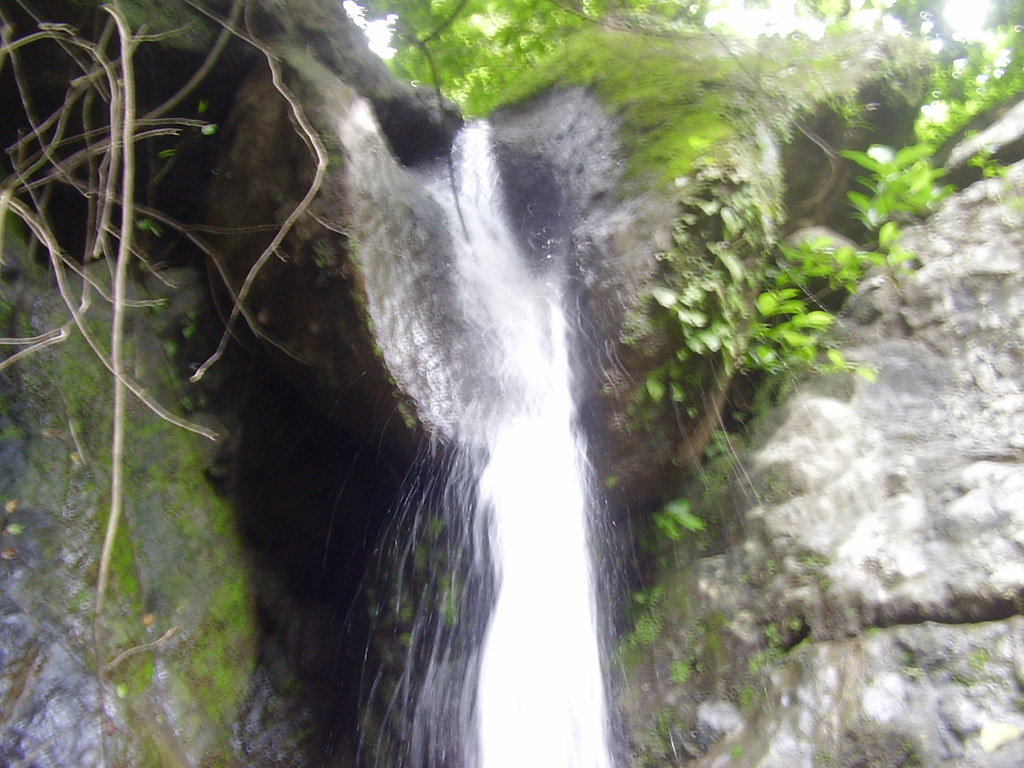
<point x="540" y="698"/>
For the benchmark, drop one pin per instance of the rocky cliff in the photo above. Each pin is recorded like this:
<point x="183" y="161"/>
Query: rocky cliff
<point x="859" y="602"/>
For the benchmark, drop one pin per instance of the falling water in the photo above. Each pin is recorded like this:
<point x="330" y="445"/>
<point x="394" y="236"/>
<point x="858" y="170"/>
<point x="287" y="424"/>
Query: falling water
<point x="516" y="679"/>
<point x="540" y="694"/>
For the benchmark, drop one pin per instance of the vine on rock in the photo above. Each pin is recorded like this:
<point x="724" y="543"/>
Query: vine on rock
<point x="93" y="144"/>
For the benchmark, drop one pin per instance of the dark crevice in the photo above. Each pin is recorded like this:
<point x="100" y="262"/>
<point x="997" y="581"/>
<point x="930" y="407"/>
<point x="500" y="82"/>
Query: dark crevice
<point x="961" y="609"/>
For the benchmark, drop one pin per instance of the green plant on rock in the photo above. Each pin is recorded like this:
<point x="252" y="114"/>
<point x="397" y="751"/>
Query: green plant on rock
<point x="719" y="241"/>
<point x="900" y="185"/>
<point x="989" y="166"/>
<point x="647" y="624"/>
<point x="770" y="314"/>
<point x="677" y="517"/>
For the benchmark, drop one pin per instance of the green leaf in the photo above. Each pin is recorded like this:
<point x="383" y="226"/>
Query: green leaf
<point x="792" y="307"/>
<point x="731" y="223"/>
<point x="209" y="129"/>
<point x="736" y="271"/>
<point x="679" y="511"/>
<point x="655" y="388"/>
<point x="794" y="338"/>
<point x="913" y="153"/>
<point x="836" y="358"/>
<point x="860" y="201"/>
<point x="766" y="304"/>
<point x="709" y="207"/>
<point x="664" y="296"/>
<point x="765" y="355"/>
<point x="148" y="225"/>
<point x="691" y="317"/>
<point x="864" y="160"/>
<point x="867" y="373"/>
<point x="898" y="256"/>
<point x="888" y="233"/>
<point x="711" y="340"/>
<point x="15" y="529"/>
<point x="817" y="319"/>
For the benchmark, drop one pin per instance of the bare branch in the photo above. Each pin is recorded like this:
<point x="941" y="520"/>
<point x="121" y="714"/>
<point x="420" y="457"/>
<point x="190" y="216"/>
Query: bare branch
<point x="57" y="259"/>
<point x="142" y="648"/>
<point x="37" y="343"/>
<point x="314" y="141"/>
<point x="122" y="127"/>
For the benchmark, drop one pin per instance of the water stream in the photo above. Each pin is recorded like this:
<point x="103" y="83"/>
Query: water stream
<point x="540" y="699"/>
<point x="511" y="675"/>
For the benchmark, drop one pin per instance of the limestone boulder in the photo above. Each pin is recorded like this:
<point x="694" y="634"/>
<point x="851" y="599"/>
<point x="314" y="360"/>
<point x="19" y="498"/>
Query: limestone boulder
<point x="859" y="599"/>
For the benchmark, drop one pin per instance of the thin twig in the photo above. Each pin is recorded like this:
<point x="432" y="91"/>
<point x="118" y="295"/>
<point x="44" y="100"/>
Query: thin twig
<point x="83" y="455"/>
<point x="16" y="341"/>
<point x="47" y="339"/>
<point x="121" y="128"/>
<point x="314" y="188"/>
<point x="152" y="646"/>
<point x="834" y="165"/>
<point x="5" y="204"/>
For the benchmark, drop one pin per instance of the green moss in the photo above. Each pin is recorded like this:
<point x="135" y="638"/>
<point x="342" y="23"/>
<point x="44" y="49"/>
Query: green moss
<point x="657" y="745"/>
<point x="714" y="638"/>
<point x="221" y="661"/>
<point x="649" y="617"/>
<point x="679" y="671"/>
<point x="177" y="553"/>
<point x="134" y="675"/>
<point x="746" y="697"/>
<point x="673" y="94"/>
<point x="977" y="660"/>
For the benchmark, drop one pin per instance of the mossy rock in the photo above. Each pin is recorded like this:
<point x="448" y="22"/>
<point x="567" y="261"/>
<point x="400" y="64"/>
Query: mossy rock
<point x="177" y="633"/>
<point x="703" y="124"/>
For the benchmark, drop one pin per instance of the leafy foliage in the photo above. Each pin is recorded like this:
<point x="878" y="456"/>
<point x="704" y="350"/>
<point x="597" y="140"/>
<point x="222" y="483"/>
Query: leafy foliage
<point x="676" y="518"/>
<point x="474" y="49"/>
<point x="787" y="325"/>
<point x="791" y="324"/>
<point x="901" y="184"/>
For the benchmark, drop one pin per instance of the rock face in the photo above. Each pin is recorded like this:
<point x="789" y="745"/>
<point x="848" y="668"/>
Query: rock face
<point x="860" y="605"/>
<point x="176" y="643"/>
<point x="857" y="600"/>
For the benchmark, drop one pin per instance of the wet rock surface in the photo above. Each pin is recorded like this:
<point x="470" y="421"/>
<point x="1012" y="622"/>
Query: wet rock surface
<point x="861" y="608"/>
<point x="163" y="673"/>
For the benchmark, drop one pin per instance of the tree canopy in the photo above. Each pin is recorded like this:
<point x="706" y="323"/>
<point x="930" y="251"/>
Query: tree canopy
<point x="473" y="51"/>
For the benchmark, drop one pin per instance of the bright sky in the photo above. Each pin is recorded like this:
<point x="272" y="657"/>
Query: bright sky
<point x="378" y="32"/>
<point x="781" y="17"/>
<point x="966" y="17"/>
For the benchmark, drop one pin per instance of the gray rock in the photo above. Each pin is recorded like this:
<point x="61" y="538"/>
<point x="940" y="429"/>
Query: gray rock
<point x="1001" y="142"/>
<point x="718" y="718"/>
<point x="866" y="613"/>
<point x="176" y="638"/>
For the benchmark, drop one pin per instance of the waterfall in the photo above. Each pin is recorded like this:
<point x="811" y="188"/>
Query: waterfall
<point x="510" y="675"/>
<point x="540" y="699"/>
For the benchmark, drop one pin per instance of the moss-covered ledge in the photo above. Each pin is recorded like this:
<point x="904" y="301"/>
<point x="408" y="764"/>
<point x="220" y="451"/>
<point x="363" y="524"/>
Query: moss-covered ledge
<point x="713" y="138"/>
